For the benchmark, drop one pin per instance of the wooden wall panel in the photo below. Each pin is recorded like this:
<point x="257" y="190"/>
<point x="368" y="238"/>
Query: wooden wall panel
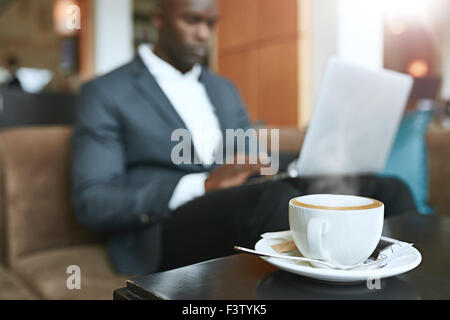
<point x="238" y="20"/>
<point x="86" y="47"/>
<point x="278" y="83"/>
<point x="257" y="49"/>
<point x="242" y="69"/>
<point x="277" y="18"/>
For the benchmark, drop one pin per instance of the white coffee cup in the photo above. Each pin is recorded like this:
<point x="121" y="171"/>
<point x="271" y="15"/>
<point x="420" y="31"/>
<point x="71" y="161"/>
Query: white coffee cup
<point x="341" y="229"/>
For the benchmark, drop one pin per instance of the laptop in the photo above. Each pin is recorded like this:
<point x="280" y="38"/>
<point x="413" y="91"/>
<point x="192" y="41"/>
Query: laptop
<point x="354" y="123"/>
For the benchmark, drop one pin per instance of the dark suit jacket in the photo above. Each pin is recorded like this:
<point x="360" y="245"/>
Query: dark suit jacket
<point x="122" y="173"/>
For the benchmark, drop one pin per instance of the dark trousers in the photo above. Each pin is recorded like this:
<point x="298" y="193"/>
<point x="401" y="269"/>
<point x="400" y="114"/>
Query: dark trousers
<point x="210" y="226"/>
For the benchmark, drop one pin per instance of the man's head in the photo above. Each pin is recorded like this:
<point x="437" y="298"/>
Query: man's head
<point x="12" y="63"/>
<point x="184" y="29"/>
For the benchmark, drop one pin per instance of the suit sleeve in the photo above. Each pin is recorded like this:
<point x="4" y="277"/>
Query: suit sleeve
<point x="105" y="195"/>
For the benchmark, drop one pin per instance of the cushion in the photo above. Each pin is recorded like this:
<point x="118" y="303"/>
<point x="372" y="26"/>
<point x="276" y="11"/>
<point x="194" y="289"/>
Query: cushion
<point x="46" y="273"/>
<point x="408" y="157"/>
<point x="12" y="288"/>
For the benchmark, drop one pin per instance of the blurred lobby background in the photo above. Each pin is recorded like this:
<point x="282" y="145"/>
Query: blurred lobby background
<point x="275" y="51"/>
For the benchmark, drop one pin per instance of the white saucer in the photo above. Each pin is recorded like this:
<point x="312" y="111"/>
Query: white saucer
<point x="404" y="262"/>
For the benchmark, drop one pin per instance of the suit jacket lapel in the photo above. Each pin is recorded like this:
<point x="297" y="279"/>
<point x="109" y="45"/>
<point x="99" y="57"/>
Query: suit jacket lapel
<point x="146" y="84"/>
<point x="216" y="99"/>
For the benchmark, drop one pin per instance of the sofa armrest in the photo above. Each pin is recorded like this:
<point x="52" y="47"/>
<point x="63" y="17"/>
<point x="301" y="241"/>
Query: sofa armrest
<point x="438" y="145"/>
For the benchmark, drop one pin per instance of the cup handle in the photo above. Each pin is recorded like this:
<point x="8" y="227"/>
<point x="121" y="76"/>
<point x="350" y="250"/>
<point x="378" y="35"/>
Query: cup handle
<point x="316" y="229"/>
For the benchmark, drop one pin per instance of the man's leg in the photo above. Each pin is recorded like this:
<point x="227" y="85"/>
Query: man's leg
<point x="210" y="226"/>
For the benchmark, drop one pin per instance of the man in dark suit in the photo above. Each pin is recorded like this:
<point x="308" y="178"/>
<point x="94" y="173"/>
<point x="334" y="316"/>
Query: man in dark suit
<point x="161" y="215"/>
<point x="12" y="65"/>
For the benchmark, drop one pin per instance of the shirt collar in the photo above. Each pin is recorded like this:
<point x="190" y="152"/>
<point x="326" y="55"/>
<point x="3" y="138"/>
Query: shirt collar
<point x="161" y="69"/>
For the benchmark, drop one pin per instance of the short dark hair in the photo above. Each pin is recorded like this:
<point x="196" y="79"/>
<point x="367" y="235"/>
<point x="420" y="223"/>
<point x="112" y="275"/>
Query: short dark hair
<point x="12" y="60"/>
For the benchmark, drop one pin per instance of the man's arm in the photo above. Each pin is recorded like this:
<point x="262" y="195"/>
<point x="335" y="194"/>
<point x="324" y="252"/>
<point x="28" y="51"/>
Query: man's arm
<point x="195" y="185"/>
<point x="225" y="176"/>
<point x="106" y="196"/>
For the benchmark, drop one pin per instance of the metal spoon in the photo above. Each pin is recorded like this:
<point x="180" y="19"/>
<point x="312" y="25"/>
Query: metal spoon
<point x="371" y="265"/>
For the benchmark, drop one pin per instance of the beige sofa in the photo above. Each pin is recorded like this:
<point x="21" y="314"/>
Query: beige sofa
<point x="40" y="237"/>
<point x="39" y="234"/>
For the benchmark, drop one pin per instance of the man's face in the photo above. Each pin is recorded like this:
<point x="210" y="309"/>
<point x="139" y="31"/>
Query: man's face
<point x="185" y="28"/>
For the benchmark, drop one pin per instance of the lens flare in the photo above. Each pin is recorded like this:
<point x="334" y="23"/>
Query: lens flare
<point x="418" y="68"/>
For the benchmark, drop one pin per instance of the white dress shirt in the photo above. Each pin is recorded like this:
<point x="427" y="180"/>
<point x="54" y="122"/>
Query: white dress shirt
<point x="190" y="100"/>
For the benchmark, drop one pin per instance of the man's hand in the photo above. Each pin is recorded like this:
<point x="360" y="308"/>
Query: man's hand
<point x="230" y="175"/>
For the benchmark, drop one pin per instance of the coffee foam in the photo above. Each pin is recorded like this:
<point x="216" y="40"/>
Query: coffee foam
<point x="336" y="202"/>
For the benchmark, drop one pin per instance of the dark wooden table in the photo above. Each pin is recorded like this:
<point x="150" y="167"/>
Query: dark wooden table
<point x="245" y="277"/>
